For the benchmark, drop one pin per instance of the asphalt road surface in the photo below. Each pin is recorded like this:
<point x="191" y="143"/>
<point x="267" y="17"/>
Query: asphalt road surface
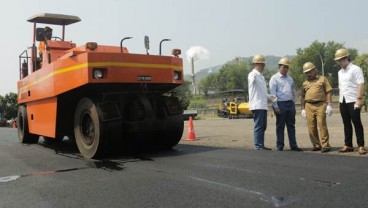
<point x="189" y="175"/>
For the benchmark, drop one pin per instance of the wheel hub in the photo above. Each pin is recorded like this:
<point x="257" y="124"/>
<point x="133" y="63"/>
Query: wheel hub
<point x="88" y="130"/>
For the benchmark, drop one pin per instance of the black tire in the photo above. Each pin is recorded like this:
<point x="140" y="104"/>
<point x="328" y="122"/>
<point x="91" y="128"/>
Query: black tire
<point x="23" y="131"/>
<point x="88" y="129"/>
<point x="173" y="133"/>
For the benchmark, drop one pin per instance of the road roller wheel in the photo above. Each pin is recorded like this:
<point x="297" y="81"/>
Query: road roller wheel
<point x="173" y="132"/>
<point x="88" y="129"/>
<point x="23" y="131"/>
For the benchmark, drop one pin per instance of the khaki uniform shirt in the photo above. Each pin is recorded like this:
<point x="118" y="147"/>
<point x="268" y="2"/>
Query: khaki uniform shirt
<point x="315" y="90"/>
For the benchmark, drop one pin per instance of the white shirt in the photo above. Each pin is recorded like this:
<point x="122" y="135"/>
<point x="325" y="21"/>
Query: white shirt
<point x="349" y="79"/>
<point x="257" y="88"/>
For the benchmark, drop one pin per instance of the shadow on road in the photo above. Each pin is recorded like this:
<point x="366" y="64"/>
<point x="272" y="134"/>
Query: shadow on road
<point x="116" y="157"/>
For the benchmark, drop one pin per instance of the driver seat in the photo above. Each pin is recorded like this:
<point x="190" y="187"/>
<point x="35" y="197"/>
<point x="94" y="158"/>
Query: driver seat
<point x="59" y="48"/>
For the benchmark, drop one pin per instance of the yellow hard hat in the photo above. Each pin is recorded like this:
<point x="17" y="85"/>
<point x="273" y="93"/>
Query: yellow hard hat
<point x="341" y="53"/>
<point x="284" y="61"/>
<point x="308" y="66"/>
<point x="258" y="59"/>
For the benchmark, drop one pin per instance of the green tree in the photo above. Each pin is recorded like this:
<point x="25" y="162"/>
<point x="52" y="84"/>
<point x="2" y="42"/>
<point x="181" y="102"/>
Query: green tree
<point x="208" y="83"/>
<point x="184" y="94"/>
<point x="232" y="76"/>
<point x="322" y="55"/>
<point x="2" y="106"/>
<point x="362" y="61"/>
<point x="8" y="106"/>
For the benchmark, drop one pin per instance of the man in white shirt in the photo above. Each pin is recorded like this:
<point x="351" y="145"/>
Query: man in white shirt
<point x="257" y="89"/>
<point x="351" y="85"/>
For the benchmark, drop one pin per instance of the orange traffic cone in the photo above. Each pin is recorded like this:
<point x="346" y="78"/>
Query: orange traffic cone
<point x="191" y="134"/>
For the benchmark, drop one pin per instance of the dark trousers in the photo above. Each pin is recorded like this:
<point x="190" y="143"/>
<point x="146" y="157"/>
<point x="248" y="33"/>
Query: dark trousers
<point x="286" y="116"/>
<point x="349" y="115"/>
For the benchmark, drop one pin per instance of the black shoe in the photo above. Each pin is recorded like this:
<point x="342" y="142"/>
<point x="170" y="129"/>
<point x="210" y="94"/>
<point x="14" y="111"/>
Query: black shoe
<point x="297" y="149"/>
<point x="263" y="148"/>
<point x="280" y="149"/>
<point x="326" y="149"/>
<point x="317" y="148"/>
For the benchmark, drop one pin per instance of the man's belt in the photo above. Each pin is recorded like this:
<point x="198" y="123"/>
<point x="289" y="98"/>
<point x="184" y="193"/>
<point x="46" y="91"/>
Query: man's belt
<point x="313" y="101"/>
<point x="286" y="101"/>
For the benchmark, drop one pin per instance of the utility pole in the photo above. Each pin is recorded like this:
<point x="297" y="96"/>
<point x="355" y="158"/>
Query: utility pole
<point x="322" y="63"/>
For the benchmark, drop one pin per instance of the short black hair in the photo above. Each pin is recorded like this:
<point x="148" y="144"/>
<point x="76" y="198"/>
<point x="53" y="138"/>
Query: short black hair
<point x="48" y="28"/>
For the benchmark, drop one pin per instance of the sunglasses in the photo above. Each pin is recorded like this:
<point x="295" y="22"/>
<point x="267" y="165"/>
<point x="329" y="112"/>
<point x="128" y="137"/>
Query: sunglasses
<point x="340" y="60"/>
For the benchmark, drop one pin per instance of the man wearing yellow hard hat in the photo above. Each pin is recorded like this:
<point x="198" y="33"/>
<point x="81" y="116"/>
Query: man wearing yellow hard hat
<point x="257" y="89"/>
<point x="283" y="87"/>
<point x="316" y="103"/>
<point x="351" y="85"/>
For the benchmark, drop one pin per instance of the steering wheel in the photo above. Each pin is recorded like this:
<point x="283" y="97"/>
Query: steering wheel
<point x="56" y="38"/>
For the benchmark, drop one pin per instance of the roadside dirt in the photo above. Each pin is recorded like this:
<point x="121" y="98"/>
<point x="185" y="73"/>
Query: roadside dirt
<point x="238" y="133"/>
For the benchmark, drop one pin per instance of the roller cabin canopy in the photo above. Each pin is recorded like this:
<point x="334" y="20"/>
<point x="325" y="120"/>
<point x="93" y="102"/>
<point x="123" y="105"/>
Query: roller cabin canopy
<point x="54" y="19"/>
<point x="51" y="19"/>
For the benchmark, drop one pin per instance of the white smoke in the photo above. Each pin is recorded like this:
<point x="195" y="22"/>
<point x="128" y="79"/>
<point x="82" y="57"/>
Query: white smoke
<point x="197" y="53"/>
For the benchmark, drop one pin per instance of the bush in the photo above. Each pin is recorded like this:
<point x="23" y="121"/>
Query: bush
<point x="197" y="103"/>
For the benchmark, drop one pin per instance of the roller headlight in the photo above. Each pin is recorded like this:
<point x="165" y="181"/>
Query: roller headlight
<point x="98" y="73"/>
<point x="177" y="75"/>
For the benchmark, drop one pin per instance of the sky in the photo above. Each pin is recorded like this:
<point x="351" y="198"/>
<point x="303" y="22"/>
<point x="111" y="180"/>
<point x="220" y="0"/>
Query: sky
<point x="227" y="29"/>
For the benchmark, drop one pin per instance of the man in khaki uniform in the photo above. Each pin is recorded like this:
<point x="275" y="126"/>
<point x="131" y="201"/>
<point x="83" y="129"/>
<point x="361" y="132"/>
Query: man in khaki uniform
<point x="316" y="103"/>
